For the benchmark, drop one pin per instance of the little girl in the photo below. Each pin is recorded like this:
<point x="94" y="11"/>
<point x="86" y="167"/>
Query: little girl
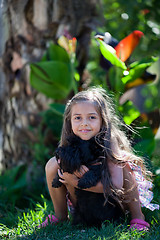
<point x="91" y="114"/>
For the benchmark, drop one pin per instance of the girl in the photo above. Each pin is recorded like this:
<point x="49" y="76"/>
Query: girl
<point x="90" y="114"/>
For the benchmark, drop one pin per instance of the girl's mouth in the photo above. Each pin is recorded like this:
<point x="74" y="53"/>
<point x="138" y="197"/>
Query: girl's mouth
<point x="84" y="130"/>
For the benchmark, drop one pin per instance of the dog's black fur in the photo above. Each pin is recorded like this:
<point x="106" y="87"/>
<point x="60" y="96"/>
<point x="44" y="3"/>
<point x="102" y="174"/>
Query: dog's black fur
<point x="90" y="208"/>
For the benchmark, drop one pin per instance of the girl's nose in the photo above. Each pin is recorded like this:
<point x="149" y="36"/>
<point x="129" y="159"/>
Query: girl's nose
<point x="84" y="122"/>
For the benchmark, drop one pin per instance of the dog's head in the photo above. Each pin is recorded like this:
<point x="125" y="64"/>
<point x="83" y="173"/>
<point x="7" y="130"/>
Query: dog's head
<point x="78" y="152"/>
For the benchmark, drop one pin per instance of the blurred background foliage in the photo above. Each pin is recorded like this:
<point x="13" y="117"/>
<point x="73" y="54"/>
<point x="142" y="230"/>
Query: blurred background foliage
<point x="120" y="19"/>
<point x="135" y="87"/>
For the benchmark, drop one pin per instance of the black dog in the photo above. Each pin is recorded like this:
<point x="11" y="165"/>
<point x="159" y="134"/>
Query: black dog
<point x="90" y="208"/>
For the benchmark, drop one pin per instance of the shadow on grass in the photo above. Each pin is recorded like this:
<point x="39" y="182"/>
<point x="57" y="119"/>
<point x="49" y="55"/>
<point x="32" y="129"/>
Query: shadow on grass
<point x="109" y="231"/>
<point x="23" y="226"/>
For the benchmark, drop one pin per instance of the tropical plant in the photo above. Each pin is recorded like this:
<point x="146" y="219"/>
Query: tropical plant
<point x="13" y="184"/>
<point x="121" y="78"/>
<point x="55" y="77"/>
<point x="53" y="74"/>
<point x="46" y="76"/>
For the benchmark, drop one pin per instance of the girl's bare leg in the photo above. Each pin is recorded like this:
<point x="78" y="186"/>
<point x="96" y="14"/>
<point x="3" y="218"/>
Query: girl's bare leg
<point x="58" y="195"/>
<point x="72" y="195"/>
<point x="132" y="194"/>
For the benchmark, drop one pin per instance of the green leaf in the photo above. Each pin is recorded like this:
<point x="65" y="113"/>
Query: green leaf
<point x="137" y="69"/>
<point x="52" y="78"/>
<point x="148" y="61"/>
<point x="115" y="75"/>
<point x="146" y="146"/>
<point x="110" y="54"/>
<point x="53" y="118"/>
<point x="12" y="183"/>
<point x="151" y="95"/>
<point x="129" y="111"/>
<point x="57" y="108"/>
<point x="56" y="53"/>
<point x="144" y="140"/>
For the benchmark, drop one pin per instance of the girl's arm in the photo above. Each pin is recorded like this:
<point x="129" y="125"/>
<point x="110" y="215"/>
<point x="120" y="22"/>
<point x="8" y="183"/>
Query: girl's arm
<point x="72" y="179"/>
<point x="116" y="172"/>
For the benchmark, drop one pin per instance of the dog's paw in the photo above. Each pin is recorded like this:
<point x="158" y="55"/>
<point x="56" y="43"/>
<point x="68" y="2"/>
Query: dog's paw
<point x="83" y="184"/>
<point x="56" y="183"/>
<point x="89" y="179"/>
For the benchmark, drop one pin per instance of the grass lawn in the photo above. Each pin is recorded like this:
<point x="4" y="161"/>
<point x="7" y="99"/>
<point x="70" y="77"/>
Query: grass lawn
<point x="18" y="224"/>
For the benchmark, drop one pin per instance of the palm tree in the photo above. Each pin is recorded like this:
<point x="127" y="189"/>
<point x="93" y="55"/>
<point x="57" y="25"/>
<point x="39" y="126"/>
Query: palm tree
<point x="26" y="28"/>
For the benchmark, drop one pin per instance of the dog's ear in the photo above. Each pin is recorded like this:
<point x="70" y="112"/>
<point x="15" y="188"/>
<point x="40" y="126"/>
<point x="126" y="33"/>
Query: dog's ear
<point x="70" y="160"/>
<point x="58" y="155"/>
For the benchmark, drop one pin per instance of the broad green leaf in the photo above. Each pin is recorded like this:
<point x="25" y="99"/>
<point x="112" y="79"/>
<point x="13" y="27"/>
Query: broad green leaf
<point x="115" y="75"/>
<point x="52" y="78"/>
<point x="145" y="147"/>
<point x="129" y="111"/>
<point x="57" y="108"/>
<point x="53" y="119"/>
<point x="56" y="53"/>
<point x="144" y="140"/>
<point x="110" y="54"/>
<point x="137" y="69"/>
<point x="147" y="61"/>
<point x="13" y="182"/>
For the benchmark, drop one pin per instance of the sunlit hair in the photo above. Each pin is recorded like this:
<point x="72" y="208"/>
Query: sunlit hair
<point x="112" y="135"/>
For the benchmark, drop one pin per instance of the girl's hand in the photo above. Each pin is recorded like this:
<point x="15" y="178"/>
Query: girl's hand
<point x="81" y="172"/>
<point x="67" y="178"/>
<point x="72" y="179"/>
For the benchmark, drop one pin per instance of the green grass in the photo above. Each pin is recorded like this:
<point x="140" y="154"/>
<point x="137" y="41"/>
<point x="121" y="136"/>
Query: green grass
<point x="22" y="224"/>
<point x="16" y="223"/>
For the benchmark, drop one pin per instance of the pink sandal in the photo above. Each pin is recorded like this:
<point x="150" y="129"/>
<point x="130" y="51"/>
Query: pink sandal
<point x="139" y="224"/>
<point x="52" y="219"/>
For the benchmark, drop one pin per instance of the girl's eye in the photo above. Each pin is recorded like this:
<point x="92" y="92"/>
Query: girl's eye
<point x="92" y="117"/>
<point x="77" y="118"/>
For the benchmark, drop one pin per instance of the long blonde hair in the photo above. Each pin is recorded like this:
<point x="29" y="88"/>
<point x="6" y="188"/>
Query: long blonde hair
<point x="112" y="132"/>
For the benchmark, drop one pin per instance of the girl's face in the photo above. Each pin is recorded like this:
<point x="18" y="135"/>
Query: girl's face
<point x="85" y="120"/>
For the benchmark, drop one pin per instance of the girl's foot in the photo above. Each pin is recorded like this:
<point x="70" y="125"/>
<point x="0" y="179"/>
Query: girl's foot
<point x="50" y="218"/>
<point x="139" y="224"/>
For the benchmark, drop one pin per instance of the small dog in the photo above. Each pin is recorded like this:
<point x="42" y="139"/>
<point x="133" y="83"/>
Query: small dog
<point x="90" y="208"/>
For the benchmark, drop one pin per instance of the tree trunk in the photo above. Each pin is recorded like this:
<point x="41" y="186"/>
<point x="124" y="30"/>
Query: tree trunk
<point x="27" y="26"/>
